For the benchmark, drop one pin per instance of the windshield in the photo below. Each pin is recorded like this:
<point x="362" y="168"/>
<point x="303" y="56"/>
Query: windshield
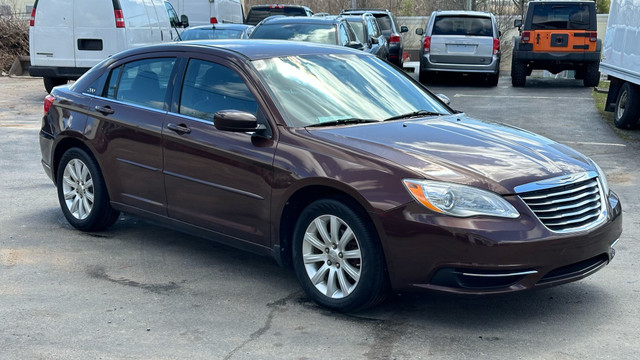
<point x="316" y="89"/>
<point x="318" y="33"/>
<point x="558" y="17"/>
<point x="463" y="25"/>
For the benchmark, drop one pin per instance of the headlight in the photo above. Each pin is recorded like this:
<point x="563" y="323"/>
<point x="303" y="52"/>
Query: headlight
<point x="459" y="200"/>
<point x="603" y="179"/>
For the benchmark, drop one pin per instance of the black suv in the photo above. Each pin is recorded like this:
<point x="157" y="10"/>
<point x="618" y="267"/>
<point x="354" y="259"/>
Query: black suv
<point x="259" y="12"/>
<point x="333" y="30"/>
<point x="389" y="27"/>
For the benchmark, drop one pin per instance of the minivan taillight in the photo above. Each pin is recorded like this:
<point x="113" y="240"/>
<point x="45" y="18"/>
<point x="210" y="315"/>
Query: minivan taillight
<point x="32" y="20"/>
<point x="119" y="18"/>
<point x="496" y="46"/>
<point x="48" y="101"/>
<point x="526" y="36"/>
<point x="213" y="20"/>
<point x="426" y="44"/>
<point x="394" y="39"/>
<point x="593" y="36"/>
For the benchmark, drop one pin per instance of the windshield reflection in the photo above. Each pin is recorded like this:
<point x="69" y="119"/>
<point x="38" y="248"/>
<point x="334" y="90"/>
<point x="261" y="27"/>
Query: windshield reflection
<point x="320" y="88"/>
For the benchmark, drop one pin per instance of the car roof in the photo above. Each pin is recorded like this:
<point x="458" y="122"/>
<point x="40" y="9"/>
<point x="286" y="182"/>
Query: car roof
<point x="362" y="11"/>
<point x="247" y="49"/>
<point x="462" y="13"/>
<point x="281" y="19"/>
<point x="221" y="26"/>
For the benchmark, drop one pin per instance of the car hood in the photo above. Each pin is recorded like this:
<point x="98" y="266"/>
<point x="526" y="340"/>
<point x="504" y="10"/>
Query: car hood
<point x="463" y="150"/>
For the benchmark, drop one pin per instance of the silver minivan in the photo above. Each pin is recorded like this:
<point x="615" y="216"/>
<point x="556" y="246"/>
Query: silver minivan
<point x="460" y="42"/>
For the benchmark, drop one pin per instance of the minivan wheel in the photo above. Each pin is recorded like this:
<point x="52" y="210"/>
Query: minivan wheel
<point x="424" y="77"/>
<point x="51" y="82"/>
<point x="82" y="193"/>
<point x="591" y="75"/>
<point x="337" y="257"/>
<point x="627" y="111"/>
<point x="518" y="73"/>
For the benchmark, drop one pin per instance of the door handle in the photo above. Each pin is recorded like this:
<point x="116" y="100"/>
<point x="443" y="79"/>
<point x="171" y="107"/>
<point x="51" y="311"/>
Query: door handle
<point x="104" y="110"/>
<point x="179" y="128"/>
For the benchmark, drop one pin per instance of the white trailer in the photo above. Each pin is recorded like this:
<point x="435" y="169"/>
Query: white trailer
<point x="621" y="62"/>
<point x="203" y="12"/>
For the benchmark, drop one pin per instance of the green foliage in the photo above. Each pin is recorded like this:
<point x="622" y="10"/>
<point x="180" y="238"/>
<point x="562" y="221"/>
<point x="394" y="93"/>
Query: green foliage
<point x="603" y="6"/>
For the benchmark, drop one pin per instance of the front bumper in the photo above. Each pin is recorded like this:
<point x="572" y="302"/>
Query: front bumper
<point x="490" y="255"/>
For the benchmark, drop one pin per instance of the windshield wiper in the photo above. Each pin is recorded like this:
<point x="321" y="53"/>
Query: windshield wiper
<point x="418" y="113"/>
<point x="343" y="122"/>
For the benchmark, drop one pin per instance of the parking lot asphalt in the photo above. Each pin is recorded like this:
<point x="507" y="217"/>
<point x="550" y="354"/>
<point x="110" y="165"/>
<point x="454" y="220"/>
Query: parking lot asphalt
<point x="140" y="291"/>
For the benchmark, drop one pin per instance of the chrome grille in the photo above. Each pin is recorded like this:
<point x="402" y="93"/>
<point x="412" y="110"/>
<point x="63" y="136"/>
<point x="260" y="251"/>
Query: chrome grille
<point x="567" y="207"/>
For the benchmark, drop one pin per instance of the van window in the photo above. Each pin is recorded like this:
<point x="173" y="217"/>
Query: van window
<point x="463" y="25"/>
<point x="142" y="82"/>
<point x="209" y="87"/>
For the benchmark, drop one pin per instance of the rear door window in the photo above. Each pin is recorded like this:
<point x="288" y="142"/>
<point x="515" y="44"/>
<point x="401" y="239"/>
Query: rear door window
<point x="561" y="16"/>
<point x="142" y="82"/>
<point x="462" y="25"/>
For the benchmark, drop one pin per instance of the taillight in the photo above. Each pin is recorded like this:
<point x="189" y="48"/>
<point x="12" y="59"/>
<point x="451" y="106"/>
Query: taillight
<point x="394" y="39"/>
<point x="213" y="20"/>
<point x="526" y="36"/>
<point x="32" y="20"/>
<point x="119" y="18"/>
<point x="48" y="101"/>
<point x="496" y="46"/>
<point x="593" y="36"/>
<point x="426" y="44"/>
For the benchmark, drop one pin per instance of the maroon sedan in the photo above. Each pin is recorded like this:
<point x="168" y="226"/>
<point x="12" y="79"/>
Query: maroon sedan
<point x="329" y="160"/>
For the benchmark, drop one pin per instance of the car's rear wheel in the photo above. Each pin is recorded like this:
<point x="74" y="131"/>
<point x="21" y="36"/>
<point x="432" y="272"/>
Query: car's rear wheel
<point x="82" y="193"/>
<point x="337" y="256"/>
<point x="627" y="111"/>
<point x="492" y="80"/>
<point x="591" y="75"/>
<point x="51" y="82"/>
<point x="518" y="73"/>
<point x="425" y="77"/>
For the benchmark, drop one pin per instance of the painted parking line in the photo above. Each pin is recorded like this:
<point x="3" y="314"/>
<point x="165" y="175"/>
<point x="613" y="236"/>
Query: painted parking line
<point x="524" y="97"/>
<point x="594" y="143"/>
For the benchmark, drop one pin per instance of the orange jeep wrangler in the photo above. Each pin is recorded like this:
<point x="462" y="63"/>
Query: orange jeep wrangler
<point x="557" y="36"/>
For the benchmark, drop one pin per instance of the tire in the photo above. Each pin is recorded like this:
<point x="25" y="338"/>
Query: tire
<point x="51" y="82"/>
<point x="518" y="73"/>
<point x="579" y="74"/>
<point x="337" y="257"/>
<point x="591" y="75"/>
<point x="492" y="80"/>
<point x="424" y="77"/>
<point x="627" y="111"/>
<point x="82" y="192"/>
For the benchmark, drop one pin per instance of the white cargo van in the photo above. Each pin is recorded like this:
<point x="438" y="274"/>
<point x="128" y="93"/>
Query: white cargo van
<point x="621" y="61"/>
<point x="203" y="12"/>
<point x="68" y="37"/>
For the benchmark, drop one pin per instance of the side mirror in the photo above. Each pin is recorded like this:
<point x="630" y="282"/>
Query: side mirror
<point x="235" y="121"/>
<point x="184" y="19"/>
<point x="419" y="31"/>
<point x="444" y="98"/>
<point x="404" y="29"/>
<point x="517" y="23"/>
<point x="374" y="40"/>
<point x="355" y="45"/>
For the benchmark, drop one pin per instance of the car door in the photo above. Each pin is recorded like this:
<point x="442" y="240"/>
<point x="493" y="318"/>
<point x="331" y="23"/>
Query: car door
<point x="214" y="179"/>
<point x="128" y="115"/>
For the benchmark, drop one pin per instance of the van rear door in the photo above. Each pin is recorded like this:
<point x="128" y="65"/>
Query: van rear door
<point x="462" y="40"/>
<point x="49" y="40"/>
<point x="95" y="35"/>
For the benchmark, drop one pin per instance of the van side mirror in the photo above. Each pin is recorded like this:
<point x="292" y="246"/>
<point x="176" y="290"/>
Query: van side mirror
<point x="374" y="40"/>
<point x="355" y="45"/>
<point x="184" y="20"/>
<point x="419" y="31"/>
<point x="517" y="23"/>
<point x="404" y="29"/>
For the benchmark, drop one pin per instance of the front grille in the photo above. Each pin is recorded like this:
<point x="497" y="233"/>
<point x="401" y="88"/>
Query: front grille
<point x="566" y="207"/>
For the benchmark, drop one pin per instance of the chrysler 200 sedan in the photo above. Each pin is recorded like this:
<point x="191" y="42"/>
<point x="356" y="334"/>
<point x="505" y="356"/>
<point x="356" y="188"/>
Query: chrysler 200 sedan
<point x="332" y="162"/>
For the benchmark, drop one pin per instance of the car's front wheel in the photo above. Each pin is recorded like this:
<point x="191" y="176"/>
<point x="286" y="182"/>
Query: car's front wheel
<point x="82" y="193"/>
<point x="337" y="256"/>
<point x="627" y="112"/>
